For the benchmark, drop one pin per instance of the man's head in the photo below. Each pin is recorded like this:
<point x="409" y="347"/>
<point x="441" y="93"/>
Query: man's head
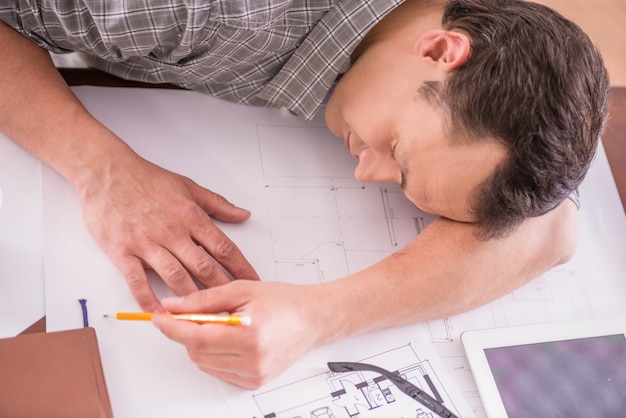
<point x="535" y="82"/>
<point x="488" y="111"/>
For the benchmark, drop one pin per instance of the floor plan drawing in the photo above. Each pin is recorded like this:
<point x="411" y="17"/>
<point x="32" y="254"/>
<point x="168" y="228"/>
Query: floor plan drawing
<point x="310" y="222"/>
<point x="324" y="223"/>
<point x="357" y="394"/>
<point x="533" y="300"/>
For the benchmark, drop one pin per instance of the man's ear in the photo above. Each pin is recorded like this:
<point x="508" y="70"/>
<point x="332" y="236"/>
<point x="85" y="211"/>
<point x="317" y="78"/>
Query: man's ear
<point x="445" y="49"/>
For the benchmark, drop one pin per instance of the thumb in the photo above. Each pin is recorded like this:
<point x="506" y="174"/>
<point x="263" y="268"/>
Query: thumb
<point x="219" y="207"/>
<point x="215" y="300"/>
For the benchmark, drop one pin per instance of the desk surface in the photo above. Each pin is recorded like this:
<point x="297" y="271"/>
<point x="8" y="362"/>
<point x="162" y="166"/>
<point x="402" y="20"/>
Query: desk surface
<point x="613" y="139"/>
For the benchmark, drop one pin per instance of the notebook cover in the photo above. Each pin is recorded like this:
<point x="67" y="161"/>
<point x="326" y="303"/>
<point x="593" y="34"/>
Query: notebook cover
<point x="56" y="374"/>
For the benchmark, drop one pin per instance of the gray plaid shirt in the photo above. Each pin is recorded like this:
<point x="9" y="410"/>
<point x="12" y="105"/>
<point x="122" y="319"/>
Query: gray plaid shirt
<point x="259" y="52"/>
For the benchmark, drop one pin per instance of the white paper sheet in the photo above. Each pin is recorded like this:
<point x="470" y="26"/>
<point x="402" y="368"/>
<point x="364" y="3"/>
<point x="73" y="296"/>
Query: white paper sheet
<point x="260" y="160"/>
<point x="311" y="221"/>
<point x="21" y="240"/>
<point x="309" y="389"/>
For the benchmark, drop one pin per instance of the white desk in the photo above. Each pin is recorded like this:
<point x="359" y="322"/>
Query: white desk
<point x="21" y="240"/>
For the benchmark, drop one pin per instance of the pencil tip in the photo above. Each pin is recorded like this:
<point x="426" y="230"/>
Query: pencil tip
<point x="107" y="316"/>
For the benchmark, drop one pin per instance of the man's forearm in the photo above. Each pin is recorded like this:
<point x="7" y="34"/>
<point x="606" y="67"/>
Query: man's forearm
<point x="40" y="113"/>
<point x="446" y="271"/>
<point x="140" y="214"/>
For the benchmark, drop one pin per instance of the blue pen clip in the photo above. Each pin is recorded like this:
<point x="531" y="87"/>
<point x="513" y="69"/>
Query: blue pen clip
<point x="83" y="305"/>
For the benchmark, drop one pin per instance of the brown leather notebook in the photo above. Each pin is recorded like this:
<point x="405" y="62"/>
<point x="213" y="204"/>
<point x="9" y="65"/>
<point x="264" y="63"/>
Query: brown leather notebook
<point x="56" y="374"/>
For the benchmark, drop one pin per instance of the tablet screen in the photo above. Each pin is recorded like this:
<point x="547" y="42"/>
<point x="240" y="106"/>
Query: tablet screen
<point x="582" y="377"/>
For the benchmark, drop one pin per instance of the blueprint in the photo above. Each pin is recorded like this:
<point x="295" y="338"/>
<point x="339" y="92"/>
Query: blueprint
<point x="311" y="222"/>
<point x="324" y="224"/>
<point x="309" y="390"/>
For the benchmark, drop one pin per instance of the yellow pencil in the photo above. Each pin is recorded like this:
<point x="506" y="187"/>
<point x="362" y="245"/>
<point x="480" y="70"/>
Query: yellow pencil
<point x="201" y="318"/>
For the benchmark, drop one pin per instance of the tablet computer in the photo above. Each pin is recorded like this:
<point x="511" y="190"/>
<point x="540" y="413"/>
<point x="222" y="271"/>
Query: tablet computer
<point x="562" y="369"/>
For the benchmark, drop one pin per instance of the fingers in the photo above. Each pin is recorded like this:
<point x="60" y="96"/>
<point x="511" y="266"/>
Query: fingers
<point x="226" y="253"/>
<point x="218" y="206"/>
<point x="215" y="242"/>
<point x="233" y="369"/>
<point x="207" y="262"/>
<point x="231" y="298"/>
<point x="196" y="248"/>
<point x="133" y="271"/>
<point x="171" y="271"/>
<point x="247" y="356"/>
<point x="215" y="339"/>
<point x="176" y="257"/>
<point x="191" y="260"/>
<point x="219" y="350"/>
<point x="175" y="275"/>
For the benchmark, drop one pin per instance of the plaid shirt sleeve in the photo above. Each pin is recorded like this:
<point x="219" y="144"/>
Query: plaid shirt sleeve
<point x="263" y="52"/>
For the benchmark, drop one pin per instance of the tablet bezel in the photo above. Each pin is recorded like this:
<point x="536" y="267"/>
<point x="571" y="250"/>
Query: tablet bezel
<point x="475" y="342"/>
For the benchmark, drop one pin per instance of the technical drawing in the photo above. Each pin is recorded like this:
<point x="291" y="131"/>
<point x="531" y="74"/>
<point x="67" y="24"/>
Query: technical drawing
<point x="440" y="331"/>
<point x="325" y="224"/>
<point x="338" y="227"/>
<point x="359" y="394"/>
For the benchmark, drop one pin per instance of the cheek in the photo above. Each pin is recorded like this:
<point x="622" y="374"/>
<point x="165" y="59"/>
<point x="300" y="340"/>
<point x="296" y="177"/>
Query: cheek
<point x="444" y="196"/>
<point x="332" y="117"/>
<point x="423" y="188"/>
<point x="373" y="167"/>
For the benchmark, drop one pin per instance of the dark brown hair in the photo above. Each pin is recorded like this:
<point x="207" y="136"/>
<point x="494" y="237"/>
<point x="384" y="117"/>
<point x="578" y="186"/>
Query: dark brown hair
<point x="535" y="82"/>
